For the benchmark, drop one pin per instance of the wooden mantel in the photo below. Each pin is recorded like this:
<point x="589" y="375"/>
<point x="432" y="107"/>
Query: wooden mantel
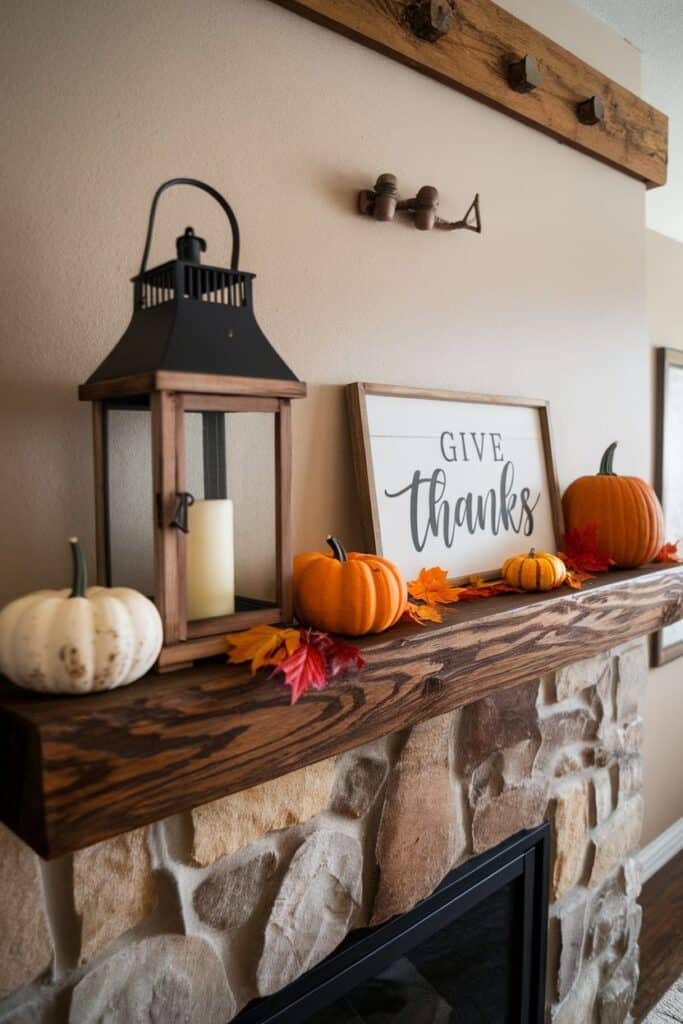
<point x="473" y="57"/>
<point x="75" y="770"/>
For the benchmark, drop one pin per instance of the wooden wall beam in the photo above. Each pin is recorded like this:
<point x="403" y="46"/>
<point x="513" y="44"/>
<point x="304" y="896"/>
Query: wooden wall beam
<point x="473" y="56"/>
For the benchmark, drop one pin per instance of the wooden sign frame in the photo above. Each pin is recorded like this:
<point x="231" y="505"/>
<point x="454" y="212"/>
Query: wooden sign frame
<point x="474" y="57"/>
<point x="667" y="359"/>
<point x="357" y="394"/>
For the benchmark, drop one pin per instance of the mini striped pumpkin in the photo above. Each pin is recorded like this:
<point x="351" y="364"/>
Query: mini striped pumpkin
<point x="538" y="570"/>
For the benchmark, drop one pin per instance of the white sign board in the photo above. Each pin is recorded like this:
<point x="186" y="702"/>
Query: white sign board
<point x="456" y="481"/>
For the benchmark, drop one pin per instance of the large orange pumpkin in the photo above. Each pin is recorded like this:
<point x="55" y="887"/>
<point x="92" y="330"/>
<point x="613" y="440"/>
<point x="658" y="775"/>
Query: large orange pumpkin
<point x="349" y="593"/>
<point x="625" y="508"/>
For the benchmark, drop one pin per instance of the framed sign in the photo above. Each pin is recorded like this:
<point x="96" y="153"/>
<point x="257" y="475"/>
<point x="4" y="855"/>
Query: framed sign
<point x="668" y="642"/>
<point x="456" y="480"/>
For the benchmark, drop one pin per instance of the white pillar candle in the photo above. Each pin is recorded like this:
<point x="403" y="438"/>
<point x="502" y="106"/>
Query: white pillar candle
<point x="210" y="560"/>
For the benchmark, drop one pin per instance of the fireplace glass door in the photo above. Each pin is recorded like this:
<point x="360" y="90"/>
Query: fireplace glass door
<point x="472" y="953"/>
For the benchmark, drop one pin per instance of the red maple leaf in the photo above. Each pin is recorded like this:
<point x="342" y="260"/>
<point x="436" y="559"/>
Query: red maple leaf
<point x="303" y="670"/>
<point x="339" y="655"/>
<point x="319" y="658"/>
<point x="581" y="552"/>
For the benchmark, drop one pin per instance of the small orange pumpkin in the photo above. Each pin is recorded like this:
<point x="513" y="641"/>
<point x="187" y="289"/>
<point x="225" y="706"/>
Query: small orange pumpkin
<point x="349" y="593"/>
<point x="535" y="571"/>
<point x="626" y="509"/>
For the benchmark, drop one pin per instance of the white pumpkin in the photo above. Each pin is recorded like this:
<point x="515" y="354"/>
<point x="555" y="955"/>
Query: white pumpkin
<point x="79" y="640"/>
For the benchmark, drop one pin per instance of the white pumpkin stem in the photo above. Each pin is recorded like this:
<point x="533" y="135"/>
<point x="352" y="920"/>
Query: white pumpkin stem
<point x="80" y="574"/>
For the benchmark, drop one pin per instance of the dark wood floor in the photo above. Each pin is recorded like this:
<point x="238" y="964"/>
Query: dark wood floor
<point x="661" y="938"/>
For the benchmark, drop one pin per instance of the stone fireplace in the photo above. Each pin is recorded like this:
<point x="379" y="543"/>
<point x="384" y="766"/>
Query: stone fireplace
<point x="195" y="916"/>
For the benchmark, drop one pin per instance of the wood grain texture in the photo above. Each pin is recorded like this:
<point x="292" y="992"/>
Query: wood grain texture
<point x="661" y="937"/>
<point x="101" y="478"/>
<point x="283" y="512"/>
<point x="77" y="770"/>
<point x="164" y="410"/>
<point x="202" y="383"/>
<point x="473" y="58"/>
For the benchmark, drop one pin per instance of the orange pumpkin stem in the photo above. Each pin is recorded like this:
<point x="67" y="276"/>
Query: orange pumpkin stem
<point x="606" y="462"/>
<point x="338" y="549"/>
<point x="532" y="553"/>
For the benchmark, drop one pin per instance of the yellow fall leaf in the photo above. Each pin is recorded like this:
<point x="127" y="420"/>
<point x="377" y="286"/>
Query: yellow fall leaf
<point x="262" y="645"/>
<point x="422" y="613"/>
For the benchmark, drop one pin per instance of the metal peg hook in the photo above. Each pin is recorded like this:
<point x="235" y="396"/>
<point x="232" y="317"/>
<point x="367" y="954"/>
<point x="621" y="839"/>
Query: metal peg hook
<point x="183" y="500"/>
<point x="383" y="202"/>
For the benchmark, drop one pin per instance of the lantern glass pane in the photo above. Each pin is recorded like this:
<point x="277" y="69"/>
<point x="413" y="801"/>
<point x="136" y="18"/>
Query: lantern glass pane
<point x="232" y="456"/>
<point x="131" y="534"/>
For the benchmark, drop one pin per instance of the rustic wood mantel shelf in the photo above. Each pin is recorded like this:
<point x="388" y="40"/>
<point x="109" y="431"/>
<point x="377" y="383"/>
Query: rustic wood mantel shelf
<point x="76" y="770"/>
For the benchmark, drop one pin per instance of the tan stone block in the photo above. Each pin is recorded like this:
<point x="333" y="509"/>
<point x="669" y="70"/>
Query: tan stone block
<point x="170" y="979"/>
<point x="572" y="920"/>
<point x="574" y="678"/>
<point x="630" y="776"/>
<point x="571" y="834"/>
<point x="114" y="889"/>
<point x="578" y="1006"/>
<point x="603" y="795"/>
<point x="357" y="785"/>
<point x="616" y="739"/>
<point x="618" y="837"/>
<point x="421" y="833"/>
<point x="502" y="720"/>
<point x="616" y="997"/>
<point x="25" y="947"/>
<point x="610" y="918"/>
<point x="632" y="670"/>
<point x="318" y="902"/>
<point x="224" y="826"/>
<point x="558" y="730"/>
<point x="228" y="897"/>
<point x="498" y="817"/>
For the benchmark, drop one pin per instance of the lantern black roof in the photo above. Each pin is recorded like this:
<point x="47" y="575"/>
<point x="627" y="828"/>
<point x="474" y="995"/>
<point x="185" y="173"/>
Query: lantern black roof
<point x="193" y="318"/>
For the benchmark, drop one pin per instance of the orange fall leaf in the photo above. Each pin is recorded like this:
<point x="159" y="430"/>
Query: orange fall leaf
<point x="432" y="587"/>
<point x="669" y="553"/>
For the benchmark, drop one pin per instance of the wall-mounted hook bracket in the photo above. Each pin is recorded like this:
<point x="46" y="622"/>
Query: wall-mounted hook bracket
<point x="430" y="19"/>
<point x="591" y="111"/>
<point x="383" y="202"/>
<point x="524" y="75"/>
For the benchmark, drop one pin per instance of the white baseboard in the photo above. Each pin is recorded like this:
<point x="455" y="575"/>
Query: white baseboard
<point x="661" y="850"/>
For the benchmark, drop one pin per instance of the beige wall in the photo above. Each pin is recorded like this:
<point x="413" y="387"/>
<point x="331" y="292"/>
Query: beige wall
<point x="107" y="99"/>
<point x="663" y="705"/>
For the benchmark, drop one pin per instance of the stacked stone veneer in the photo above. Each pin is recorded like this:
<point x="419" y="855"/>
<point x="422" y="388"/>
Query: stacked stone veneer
<point x="188" y="920"/>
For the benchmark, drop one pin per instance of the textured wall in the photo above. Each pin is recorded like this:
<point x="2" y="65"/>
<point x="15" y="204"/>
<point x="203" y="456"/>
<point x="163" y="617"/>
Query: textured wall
<point x="663" y="704"/>
<point x="193" y="917"/>
<point x="104" y="101"/>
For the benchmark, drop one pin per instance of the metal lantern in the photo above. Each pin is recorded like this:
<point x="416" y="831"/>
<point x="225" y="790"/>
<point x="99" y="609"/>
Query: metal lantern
<point x="192" y="444"/>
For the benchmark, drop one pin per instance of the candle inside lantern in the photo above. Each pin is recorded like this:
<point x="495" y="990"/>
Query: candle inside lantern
<point x="210" y="560"/>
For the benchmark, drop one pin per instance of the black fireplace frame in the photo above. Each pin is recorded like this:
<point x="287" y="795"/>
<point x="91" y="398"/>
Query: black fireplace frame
<point x="525" y="858"/>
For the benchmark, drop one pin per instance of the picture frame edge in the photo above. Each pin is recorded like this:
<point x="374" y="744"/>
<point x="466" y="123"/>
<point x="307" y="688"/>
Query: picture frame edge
<point x="666" y="356"/>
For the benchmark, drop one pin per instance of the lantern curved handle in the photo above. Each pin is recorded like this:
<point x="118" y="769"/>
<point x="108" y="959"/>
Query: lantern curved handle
<point x="223" y="203"/>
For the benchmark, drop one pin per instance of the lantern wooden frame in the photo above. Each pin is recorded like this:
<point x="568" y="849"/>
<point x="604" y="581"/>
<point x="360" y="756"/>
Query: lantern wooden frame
<point x="169" y="395"/>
